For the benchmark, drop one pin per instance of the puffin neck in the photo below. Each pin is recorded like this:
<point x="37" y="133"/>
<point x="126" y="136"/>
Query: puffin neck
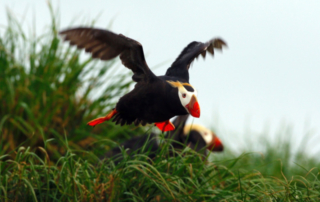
<point x="173" y="102"/>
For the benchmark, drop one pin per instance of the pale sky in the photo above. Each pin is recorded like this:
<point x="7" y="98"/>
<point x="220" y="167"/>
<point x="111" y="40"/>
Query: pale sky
<point x="269" y="74"/>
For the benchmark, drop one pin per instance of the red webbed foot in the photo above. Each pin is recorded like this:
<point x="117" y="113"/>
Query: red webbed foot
<point x="165" y="126"/>
<point x="102" y="119"/>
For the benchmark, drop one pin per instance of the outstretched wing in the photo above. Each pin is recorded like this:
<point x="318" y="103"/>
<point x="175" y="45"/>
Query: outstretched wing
<point x="105" y="45"/>
<point x="180" y="67"/>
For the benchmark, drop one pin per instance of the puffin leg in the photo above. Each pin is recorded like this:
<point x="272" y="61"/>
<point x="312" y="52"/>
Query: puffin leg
<point x="165" y="126"/>
<point x="102" y="119"/>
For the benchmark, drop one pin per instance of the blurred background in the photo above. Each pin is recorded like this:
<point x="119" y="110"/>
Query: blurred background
<point x="263" y="87"/>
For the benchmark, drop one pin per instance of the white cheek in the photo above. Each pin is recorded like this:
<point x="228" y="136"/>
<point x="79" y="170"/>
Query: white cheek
<point x="186" y="100"/>
<point x="207" y="136"/>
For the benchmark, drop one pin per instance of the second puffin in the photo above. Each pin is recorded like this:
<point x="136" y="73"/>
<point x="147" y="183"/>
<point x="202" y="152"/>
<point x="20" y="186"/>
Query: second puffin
<point x="154" y="99"/>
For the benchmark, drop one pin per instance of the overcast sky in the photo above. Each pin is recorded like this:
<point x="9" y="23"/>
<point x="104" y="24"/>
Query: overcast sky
<point x="268" y="75"/>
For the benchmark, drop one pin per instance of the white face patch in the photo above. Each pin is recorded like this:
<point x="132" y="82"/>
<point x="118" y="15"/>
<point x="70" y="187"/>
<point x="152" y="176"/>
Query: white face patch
<point x="206" y="134"/>
<point x="185" y="96"/>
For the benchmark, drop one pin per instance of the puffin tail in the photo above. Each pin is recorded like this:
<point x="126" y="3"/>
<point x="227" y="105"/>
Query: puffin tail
<point x="102" y="119"/>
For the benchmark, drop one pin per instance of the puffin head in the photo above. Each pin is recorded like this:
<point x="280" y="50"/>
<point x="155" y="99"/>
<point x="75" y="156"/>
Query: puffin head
<point x="212" y="141"/>
<point x="188" y="97"/>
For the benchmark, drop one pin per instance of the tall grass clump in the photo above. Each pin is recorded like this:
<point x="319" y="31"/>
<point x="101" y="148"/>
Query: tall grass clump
<point x="47" y="92"/>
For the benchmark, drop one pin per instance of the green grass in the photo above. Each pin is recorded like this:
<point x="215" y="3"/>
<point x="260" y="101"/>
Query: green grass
<point x="47" y="153"/>
<point x="184" y="177"/>
<point x="46" y="91"/>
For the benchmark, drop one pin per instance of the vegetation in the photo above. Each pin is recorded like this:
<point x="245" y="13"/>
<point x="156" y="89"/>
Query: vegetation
<point x="45" y="90"/>
<point x="47" y="153"/>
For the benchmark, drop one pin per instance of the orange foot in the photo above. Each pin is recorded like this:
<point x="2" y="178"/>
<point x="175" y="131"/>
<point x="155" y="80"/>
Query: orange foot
<point x="102" y="119"/>
<point x="165" y="126"/>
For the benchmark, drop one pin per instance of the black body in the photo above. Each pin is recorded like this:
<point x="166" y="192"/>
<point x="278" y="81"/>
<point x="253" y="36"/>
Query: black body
<point x="152" y="99"/>
<point x="148" y="103"/>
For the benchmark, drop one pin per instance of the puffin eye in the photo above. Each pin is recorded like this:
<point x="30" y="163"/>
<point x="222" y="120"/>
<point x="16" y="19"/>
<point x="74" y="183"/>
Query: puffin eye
<point x="184" y="95"/>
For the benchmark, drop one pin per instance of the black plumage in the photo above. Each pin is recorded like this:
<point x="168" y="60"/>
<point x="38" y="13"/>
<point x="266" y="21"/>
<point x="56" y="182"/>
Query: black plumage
<point x="154" y="99"/>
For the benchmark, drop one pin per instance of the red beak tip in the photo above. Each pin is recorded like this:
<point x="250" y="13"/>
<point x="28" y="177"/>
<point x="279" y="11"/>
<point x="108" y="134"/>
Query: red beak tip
<point x="195" y="110"/>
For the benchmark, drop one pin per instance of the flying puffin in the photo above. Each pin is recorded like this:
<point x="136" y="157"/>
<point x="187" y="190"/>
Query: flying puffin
<point x="154" y="99"/>
<point x="196" y="137"/>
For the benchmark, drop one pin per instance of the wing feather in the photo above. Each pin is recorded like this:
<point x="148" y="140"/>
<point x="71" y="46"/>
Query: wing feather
<point x="106" y="45"/>
<point x="180" y="67"/>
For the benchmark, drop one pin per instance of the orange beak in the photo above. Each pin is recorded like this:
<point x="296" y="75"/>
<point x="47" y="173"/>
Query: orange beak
<point x="193" y="107"/>
<point x="216" y="145"/>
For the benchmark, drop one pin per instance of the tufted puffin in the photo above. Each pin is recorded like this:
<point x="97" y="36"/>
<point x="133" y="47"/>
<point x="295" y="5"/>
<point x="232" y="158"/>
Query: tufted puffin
<point x="154" y="99"/>
<point x="194" y="136"/>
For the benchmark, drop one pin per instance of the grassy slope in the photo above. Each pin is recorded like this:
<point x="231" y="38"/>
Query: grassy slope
<point x="48" y="154"/>
<point x="182" y="178"/>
